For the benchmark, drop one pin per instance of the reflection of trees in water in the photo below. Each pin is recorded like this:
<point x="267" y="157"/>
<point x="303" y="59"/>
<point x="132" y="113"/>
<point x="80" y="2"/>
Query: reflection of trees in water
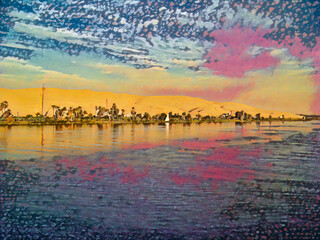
<point x="132" y="133"/>
<point x="3" y="137"/>
<point x="59" y="127"/>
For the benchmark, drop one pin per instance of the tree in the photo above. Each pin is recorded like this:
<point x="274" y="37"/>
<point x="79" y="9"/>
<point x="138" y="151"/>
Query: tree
<point x="7" y="113"/>
<point x="122" y="114"/>
<point x="146" y="116"/>
<point x="78" y="112"/>
<point x="188" y="117"/>
<point x="184" y="116"/>
<point x="114" y="111"/>
<point x="139" y="117"/>
<point x="55" y="109"/>
<point x="3" y="106"/>
<point x="162" y="116"/>
<point x="133" y="113"/>
<point x="156" y="117"/>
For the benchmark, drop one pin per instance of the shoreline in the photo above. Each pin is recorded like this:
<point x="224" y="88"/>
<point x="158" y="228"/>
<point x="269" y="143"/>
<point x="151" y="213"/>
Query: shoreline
<point x="97" y="122"/>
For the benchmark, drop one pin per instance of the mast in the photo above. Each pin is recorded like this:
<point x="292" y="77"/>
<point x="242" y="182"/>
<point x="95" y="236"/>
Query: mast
<point x="42" y="99"/>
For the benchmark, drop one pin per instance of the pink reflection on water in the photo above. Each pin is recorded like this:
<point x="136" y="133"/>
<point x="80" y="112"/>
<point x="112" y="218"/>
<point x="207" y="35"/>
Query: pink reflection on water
<point x="130" y="175"/>
<point x="223" y="165"/>
<point x="90" y="171"/>
<point x="182" y="180"/>
<point x="213" y="162"/>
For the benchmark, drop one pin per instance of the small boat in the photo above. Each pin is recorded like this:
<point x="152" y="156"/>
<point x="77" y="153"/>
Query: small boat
<point x="167" y="118"/>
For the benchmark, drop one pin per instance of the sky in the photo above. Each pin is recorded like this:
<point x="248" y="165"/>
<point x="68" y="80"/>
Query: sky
<point x="261" y="53"/>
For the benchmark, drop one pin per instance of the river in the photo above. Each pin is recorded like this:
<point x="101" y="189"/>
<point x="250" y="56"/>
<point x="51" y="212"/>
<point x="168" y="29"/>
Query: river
<point x="182" y="181"/>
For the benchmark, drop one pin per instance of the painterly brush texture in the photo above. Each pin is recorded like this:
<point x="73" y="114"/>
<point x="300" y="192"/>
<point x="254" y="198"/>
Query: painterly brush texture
<point x="258" y="52"/>
<point x="205" y="181"/>
<point x="159" y="119"/>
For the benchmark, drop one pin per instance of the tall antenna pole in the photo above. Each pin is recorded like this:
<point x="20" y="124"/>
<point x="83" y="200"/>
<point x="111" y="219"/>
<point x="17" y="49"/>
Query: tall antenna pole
<point x="42" y="99"/>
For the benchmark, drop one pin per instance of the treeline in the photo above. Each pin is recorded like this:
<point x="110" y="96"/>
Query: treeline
<point x="115" y="114"/>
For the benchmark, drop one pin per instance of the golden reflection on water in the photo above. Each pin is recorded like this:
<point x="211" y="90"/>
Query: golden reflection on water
<point x="17" y="142"/>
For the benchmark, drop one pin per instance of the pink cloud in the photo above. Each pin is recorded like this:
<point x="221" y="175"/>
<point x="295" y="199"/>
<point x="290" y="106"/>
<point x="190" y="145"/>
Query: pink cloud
<point x="225" y="94"/>
<point x="231" y="56"/>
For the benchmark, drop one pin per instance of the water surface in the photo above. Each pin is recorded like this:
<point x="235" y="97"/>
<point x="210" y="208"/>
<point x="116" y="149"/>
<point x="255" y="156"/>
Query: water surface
<point x="253" y="180"/>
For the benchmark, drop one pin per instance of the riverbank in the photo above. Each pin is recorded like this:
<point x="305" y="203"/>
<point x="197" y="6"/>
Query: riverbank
<point x="94" y="122"/>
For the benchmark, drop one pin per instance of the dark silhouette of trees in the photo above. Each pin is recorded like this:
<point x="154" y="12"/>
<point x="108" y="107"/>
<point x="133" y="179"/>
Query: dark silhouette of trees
<point x="133" y="114"/>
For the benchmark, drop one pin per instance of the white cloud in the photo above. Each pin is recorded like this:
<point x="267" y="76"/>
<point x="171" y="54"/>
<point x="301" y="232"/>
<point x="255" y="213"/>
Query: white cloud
<point x="47" y="32"/>
<point x="12" y="59"/>
<point x="15" y="45"/>
<point x="23" y="15"/>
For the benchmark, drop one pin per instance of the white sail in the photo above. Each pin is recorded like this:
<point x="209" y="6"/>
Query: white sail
<point x="167" y="118"/>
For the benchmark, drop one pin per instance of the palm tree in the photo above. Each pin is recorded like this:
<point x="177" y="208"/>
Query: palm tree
<point x="156" y="117"/>
<point x="78" y="112"/>
<point x="3" y="106"/>
<point x="7" y="113"/>
<point x="146" y="116"/>
<point x="184" y="116"/>
<point x="112" y="111"/>
<point x="60" y="112"/>
<point x="122" y="114"/>
<point x="162" y="116"/>
<point x="55" y="109"/>
<point x="133" y="113"/>
<point x="188" y="117"/>
<point x="117" y="112"/>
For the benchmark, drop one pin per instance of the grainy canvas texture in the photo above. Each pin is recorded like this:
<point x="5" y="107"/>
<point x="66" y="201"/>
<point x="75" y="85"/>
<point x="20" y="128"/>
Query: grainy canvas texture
<point x="155" y="119"/>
